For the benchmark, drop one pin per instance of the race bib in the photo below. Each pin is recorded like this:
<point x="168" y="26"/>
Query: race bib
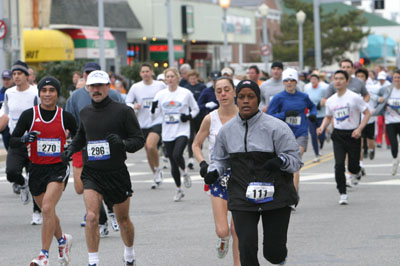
<point x="394" y="102"/>
<point x="260" y="192"/>
<point x="98" y="150"/>
<point x="147" y="102"/>
<point x="342" y="113"/>
<point x="172" y="118"/>
<point x="48" y="147"/>
<point x="293" y="120"/>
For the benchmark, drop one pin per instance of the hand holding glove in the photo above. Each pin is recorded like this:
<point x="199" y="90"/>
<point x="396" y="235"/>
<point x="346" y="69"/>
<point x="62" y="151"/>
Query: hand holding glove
<point x="203" y="168"/>
<point x="185" y="117"/>
<point x="211" y="105"/>
<point x="114" y="139"/>
<point x="274" y="164"/>
<point x="29" y="137"/>
<point x="211" y="177"/>
<point x="66" y="156"/>
<point x="291" y="113"/>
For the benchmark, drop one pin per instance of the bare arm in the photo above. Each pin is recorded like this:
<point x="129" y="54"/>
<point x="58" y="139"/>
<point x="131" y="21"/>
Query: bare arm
<point x="201" y="135"/>
<point x="3" y="122"/>
<point x="327" y="120"/>
<point x="357" y="132"/>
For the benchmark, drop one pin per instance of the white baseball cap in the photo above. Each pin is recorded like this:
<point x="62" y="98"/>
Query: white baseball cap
<point x="98" y="77"/>
<point x="290" y="73"/>
<point x="382" y="75"/>
<point x="226" y="71"/>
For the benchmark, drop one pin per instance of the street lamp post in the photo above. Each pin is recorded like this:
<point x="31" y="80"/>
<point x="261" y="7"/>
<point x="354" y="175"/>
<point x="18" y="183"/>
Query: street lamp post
<point x="384" y="50"/>
<point x="264" y="9"/>
<point x="225" y="4"/>
<point x="301" y="17"/>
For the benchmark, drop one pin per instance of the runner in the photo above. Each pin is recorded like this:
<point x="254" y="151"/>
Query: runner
<point x="5" y="133"/>
<point x="290" y="106"/>
<point x="174" y="104"/>
<point x="48" y="176"/>
<point x="225" y="93"/>
<point x="79" y="99"/>
<point x="272" y="86"/>
<point x="16" y="100"/>
<point x="345" y="107"/>
<point x="105" y="175"/>
<point x="262" y="153"/>
<point x="140" y="97"/>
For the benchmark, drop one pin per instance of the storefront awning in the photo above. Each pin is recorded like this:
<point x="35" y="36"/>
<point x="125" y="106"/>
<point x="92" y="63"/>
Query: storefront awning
<point x="47" y="45"/>
<point x="86" y="42"/>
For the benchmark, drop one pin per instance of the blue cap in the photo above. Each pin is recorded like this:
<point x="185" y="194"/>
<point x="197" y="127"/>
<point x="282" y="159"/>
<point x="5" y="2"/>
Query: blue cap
<point x="91" y="66"/>
<point x="6" y="74"/>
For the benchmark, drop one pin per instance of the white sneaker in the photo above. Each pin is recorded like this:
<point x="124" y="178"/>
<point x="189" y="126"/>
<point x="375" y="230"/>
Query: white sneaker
<point x="158" y="177"/>
<point x="222" y="247"/>
<point x="348" y="181"/>
<point x="114" y="222"/>
<point x="394" y="166"/>
<point x="64" y="251"/>
<point x="36" y="218"/>
<point x="344" y="200"/>
<point x="41" y="260"/>
<point x="24" y="193"/>
<point x="187" y="181"/>
<point x="179" y="194"/>
<point x="317" y="159"/>
<point x="165" y="162"/>
<point x="103" y="229"/>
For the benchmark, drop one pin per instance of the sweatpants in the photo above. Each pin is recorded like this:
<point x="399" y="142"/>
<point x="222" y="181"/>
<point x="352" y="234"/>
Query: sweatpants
<point x="175" y="154"/>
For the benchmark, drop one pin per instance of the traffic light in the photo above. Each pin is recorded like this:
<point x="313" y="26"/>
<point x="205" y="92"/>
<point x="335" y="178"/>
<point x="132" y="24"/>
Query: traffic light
<point x="364" y="61"/>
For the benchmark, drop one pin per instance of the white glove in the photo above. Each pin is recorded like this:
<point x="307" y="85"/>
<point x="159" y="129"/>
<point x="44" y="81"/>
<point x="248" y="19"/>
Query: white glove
<point x="211" y="105"/>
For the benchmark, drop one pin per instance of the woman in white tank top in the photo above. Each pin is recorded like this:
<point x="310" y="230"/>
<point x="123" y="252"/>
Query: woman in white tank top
<point x="212" y="123"/>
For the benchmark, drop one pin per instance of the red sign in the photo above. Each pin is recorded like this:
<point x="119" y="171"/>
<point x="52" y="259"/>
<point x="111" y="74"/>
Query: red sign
<point x="3" y="29"/>
<point x="164" y="48"/>
<point x="265" y="50"/>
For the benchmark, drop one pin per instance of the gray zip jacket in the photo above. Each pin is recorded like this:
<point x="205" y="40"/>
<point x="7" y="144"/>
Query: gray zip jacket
<point x="245" y="146"/>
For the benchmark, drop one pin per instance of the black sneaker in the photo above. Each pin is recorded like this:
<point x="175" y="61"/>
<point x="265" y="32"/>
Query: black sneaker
<point x="371" y="154"/>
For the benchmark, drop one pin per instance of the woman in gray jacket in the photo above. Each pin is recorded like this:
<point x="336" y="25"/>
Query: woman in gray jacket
<point x="263" y="154"/>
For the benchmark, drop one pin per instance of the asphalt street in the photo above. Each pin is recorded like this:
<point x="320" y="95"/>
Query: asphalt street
<point x="365" y="232"/>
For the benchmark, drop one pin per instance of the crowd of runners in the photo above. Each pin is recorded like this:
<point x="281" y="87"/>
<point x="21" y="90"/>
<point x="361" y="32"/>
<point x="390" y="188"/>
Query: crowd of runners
<point x="255" y="127"/>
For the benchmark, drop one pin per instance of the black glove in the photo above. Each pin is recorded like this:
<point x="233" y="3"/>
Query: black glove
<point x="203" y="168"/>
<point x="291" y="113"/>
<point x="114" y="139"/>
<point x="274" y="164"/>
<point x="66" y="156"/>
<point x="312" y="118"/>
<point x="29" y="137"/>
<point x="319" y="106"/>
<point x="211" y="177"/>
<point x="185" y="118"/>
<point x="154" y="106"/>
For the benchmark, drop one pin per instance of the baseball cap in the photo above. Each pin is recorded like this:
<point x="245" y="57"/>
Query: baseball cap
<point x="277" y="64"/>
<point x="290" y="73"/>
<point x="6" y="74"/>
<point x="226" y="71"/>
<point x="215" y="75"/>
<point x="91" y="66"/>
<point x="98" y="77"/>
<point x="382" y="75"/>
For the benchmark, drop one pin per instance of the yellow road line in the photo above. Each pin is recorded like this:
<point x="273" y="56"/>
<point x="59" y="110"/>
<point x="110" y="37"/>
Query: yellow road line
<point x="324" y="158"/>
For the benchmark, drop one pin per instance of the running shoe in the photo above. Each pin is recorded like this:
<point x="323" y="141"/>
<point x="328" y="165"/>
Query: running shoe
<point x="222" y="247"/>
<point x="158" y="177"/>
<point x="187" y="181"/>
<point x="114" y="222"/>
<point x="371" y="154"/>
<point x="363" y="172"/>
<point x="354" y="179"/>
<point x="191" y="163"/>
<point x="64" y="251"/>
<point x="317" y="159"/>
<point x="83" y="223"/>
<point x="395" y="166"/>
<point x="154" y="185"/>
<point x="129" y="263"/>
<point x="93" y="265"/>
<point x="179" y="194"/>
<point x="343" y="200"/>
<point x="37" y="218"/>
<point x="25" y="197"/>
<point x="42" y="260"/>
<point x="348" y="181"/>
<point x="16" y="188"/>
<point x="165" y="162"/>
<point x="103" y="229"/>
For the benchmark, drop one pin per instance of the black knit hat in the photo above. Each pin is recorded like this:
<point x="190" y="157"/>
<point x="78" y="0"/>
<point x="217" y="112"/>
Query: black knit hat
<point x="22" y="66"/>
<point x="249" y="84"/>
<point x="277" y="64"/>
<point x="49" y="80"/>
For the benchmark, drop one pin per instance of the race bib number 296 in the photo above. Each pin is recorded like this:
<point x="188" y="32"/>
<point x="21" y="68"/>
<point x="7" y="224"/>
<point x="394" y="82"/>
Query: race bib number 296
<point x="98" y="150"/>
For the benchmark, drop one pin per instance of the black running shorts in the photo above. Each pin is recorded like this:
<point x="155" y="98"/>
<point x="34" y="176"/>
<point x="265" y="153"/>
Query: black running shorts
<point x="114" y="185"/>
<point x="40" y="175"/>
<point x="369" y="131"/>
